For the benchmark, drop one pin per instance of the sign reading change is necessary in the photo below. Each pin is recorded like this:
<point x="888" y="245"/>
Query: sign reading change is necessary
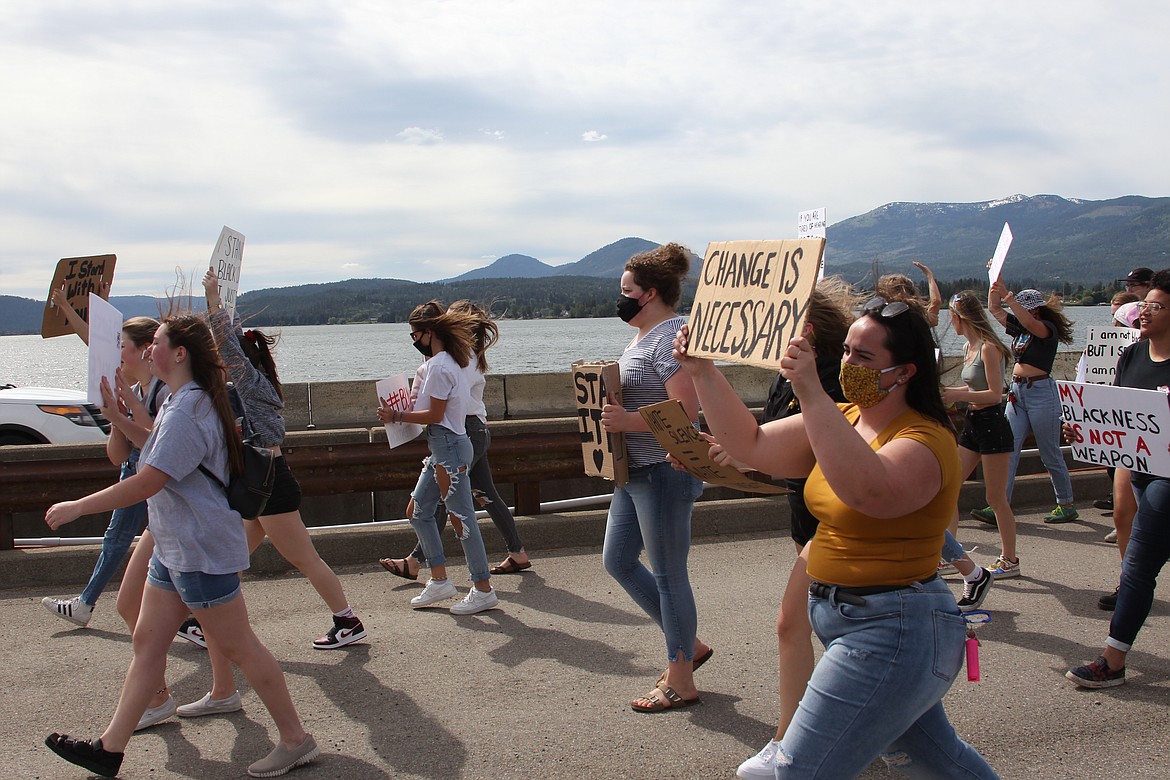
<point x="752" y="299"/>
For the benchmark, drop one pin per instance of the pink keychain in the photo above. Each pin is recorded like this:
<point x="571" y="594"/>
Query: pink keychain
<point x="974" y="618"/>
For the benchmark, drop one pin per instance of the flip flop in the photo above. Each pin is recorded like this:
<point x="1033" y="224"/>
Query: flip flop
<point x="662" y="698"/>
<point x="510" y="566"/>
<point x="397" y="569"/>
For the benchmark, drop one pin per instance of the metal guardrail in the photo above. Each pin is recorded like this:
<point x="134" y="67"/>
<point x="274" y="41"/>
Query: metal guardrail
<point x="523" y="459"/>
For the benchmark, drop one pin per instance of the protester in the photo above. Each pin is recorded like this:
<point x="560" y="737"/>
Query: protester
<point x="883" y="476"/>
<point x="446" y="339"/>
<point x="1032" y="405"/>
<point x="1123" y="307"/>
<point x="200" y="548"/>
<point x="652" y="511"/>
<point x="897" y="287"/>
<point x="483" y="487"/>
<point x="987" y="437"/>
<point x="144" y="397"/>
<point x="1145" y="365"/>
<point x="1137" y="281"/>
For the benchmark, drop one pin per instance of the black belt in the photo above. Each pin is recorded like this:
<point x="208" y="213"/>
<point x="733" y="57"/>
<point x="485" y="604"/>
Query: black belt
<point x="1028" y="381"/>
<point x="854" y="596"/>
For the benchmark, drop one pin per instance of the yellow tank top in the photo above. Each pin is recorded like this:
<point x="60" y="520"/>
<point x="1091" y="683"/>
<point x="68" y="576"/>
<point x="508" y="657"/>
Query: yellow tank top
<point x="856" y="550"/>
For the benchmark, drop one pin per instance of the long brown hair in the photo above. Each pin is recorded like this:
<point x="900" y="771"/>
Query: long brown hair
<point x="484" y="334"/>
<point x="454" y="328"/>
<point x="191" y="332"/>
<point x="830" y="313"/>
<point x="257" y="346"/>
<point x="968" y="305"/>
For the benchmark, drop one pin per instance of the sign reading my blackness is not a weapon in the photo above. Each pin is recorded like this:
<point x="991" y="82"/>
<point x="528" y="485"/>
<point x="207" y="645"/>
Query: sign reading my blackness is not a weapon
<point x="752" y="299"/>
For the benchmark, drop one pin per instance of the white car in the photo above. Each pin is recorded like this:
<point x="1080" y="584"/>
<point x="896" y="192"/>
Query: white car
<point x="46" y="415"/>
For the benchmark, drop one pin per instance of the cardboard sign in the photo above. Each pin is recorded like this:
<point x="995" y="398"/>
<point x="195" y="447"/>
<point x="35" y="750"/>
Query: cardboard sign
<point x="672" y="427"/>
<point x="78" y="276"/>
<point x="105" y="345"/>
<point x="394" y="393"/>
<point x="752" y="299"/>
<point x="1102" y="348"/>
<point x="1001" y="250"/>
<point x="594" y="385"/>
<point x="226" y="261"/>
<point x="1118" y="426"/>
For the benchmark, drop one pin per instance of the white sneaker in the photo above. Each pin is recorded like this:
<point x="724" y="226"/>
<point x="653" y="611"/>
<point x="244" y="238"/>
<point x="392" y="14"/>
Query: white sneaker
<point x="475" y="601"/>
<point x="74" y="610"/>
<point x="154" y="715"/>
<point x="761" y="766"/>
<point x="434" y="592"/>
<point x="210" y="706"/>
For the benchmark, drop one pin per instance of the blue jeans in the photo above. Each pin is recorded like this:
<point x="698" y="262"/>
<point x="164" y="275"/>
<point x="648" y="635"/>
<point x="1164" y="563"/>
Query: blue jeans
<point x="1147" y="553"/>
<point x="653" y="512"/>
<point x="1037" y="409"/>
<point x="878" y="689"/>
<point x="125" y="524"/>
<point x="453" y="452"/>
<point x="951" y="549"/>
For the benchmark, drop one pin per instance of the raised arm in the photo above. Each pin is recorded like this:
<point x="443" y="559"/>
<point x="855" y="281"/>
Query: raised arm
<point x="80" y="326"/>
<point x="934" y="305"/>
<point x="998" y="295"/>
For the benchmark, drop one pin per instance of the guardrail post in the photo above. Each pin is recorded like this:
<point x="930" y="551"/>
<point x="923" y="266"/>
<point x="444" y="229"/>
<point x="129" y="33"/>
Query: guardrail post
<point x="527" y="498"/>
<point x="7" y="541"/>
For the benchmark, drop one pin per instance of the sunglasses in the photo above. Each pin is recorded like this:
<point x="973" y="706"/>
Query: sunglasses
<point x="881" y="307"/>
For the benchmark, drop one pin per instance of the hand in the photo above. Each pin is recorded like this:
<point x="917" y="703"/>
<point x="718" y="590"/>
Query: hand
<point x="110" y="401"/>
<point x="62" y="513"/>
<point x="59" y="299"/>
<point x="999" y="289"/>
<point x="924" y="268"/>
<point x="720" y="455"/>
<point x="211" y="288"/>
<point x="950" y="395"/>
<point x="614" y="418"/>
<point x="693" y="366"/>
<point x="799" y="366"/>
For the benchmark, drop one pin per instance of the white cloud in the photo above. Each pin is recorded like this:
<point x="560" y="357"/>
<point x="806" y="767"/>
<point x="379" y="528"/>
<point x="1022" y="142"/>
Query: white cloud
<point x="419" y="140"/>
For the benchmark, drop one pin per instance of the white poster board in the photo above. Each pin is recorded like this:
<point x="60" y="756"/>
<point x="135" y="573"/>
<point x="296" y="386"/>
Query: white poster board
<point x="1001" y="250"/>
<point x="1118" y="426"/>
<point x="226" y="261"/>
<point x="1102" y="348"/>
<point x="813" y="223"/>
<point x="105" y="345"/>
<point x="394" y="393"/>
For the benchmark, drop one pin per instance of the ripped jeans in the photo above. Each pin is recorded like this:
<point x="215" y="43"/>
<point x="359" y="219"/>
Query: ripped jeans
<point x="878" y="689"/>
<point x="453" y="452"/>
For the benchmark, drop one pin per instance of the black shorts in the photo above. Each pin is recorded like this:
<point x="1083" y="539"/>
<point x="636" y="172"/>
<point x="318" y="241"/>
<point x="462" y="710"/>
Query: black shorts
<point x="987" y="431"/>
<point x="286" y="491"/>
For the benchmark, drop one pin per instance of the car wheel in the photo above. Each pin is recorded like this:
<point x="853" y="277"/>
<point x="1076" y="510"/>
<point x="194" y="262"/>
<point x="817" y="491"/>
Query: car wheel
<point x="16" y="438"/>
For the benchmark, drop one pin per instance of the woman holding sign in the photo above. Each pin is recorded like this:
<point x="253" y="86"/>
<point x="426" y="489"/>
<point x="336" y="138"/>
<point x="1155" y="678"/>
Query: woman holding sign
<point x="200" y="548"/>
<point x="652" y="511"/>
<point x="883" y="477"/>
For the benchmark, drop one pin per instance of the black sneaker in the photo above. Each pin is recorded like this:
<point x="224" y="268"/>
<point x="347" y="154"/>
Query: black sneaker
<point x="1108" y="602"/>
<point x="192" y="632"/>
<point x="1096" y="675"/>
<point x="344" y="631"/>
<point x="1104" y="504"/>
<point x="975" y="592"/>
<point x="86" y="754"/>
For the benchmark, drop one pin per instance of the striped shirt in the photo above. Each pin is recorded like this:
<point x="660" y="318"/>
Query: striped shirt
<point x="645" y="367"/>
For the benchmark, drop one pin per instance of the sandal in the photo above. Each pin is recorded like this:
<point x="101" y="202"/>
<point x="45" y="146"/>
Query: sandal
<point x="662" y="698"/>
<point x="698" y="661"/>
<point x="398" y="568"/>
<point x="510" y="566"/>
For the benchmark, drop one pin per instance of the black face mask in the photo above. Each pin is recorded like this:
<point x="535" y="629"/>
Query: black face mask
<point x="425" y="350"/>
<point x="628" y="308"/>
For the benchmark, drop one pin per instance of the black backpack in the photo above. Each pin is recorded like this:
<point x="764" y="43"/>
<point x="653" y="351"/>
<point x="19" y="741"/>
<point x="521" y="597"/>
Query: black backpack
<point x="248" y="493"/>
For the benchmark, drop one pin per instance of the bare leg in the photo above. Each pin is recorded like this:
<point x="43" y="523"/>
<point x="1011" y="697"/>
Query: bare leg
<point x="995" y="474"/>
<point x="161" y="615"/>
<point x="130" y="601"/>
<point x="795" y="636"/>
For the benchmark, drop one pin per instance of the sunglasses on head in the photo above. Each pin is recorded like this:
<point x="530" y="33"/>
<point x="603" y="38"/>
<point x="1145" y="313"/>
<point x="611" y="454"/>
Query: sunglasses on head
<point x="881" y="307"/>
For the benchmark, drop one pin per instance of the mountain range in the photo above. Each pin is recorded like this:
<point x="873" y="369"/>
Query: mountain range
<point x="1056" y="240"/>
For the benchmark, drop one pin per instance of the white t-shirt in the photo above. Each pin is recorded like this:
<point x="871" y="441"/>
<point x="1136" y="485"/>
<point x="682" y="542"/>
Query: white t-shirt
<point x="476" y="382"/>
<point x="444" y="380"/>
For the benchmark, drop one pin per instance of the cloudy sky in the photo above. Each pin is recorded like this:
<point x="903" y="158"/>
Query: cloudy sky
<point x="418" y="140"/>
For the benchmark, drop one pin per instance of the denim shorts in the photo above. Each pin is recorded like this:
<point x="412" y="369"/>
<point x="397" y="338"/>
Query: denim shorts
<point x="987" y="431"/>
<point x="196" y="589"/>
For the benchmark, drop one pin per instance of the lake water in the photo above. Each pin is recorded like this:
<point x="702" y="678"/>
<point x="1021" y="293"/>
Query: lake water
<point x="325" y="353"/>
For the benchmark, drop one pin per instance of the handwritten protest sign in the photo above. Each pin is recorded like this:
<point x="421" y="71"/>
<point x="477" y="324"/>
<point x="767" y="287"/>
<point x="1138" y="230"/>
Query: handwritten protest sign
<point x="105" y="345"/>
<point x="752" y="299"/>
<point x="78" y="277"/>
<point x="1102" y="348"/>
<point x="226" y="261"/>
<point x="1001" y="250"/>
<point x="811" y="224"/>
<point x="394" y="393"/>
<point x="1118" y="426"/>
<point x="672" y="427"/>
<point x="594" y="385"/>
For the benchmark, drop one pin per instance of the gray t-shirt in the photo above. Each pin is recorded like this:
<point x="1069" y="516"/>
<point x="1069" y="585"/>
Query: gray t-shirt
<point x="194" y="529"/>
